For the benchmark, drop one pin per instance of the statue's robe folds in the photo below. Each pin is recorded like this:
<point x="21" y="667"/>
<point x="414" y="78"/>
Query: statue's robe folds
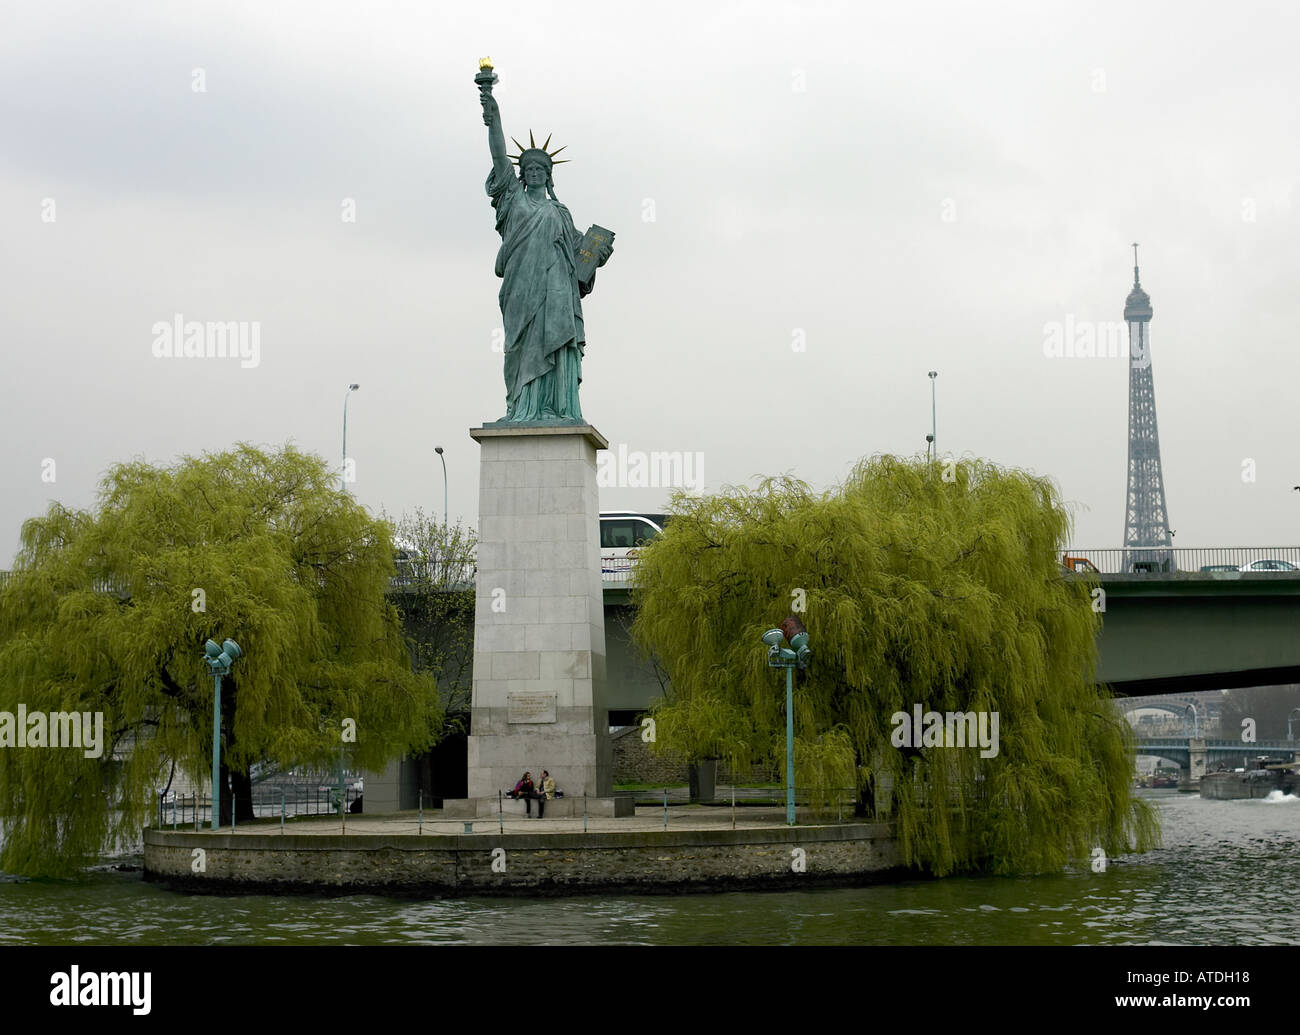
<point x="540" y="302"/>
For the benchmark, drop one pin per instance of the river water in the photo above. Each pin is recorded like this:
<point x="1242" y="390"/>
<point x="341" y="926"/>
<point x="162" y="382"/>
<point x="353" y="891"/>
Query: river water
<point x="1225" y="875"/>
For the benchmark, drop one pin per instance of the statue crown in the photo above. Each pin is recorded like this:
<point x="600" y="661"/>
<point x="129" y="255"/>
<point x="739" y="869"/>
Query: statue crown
<point x="535" y="153"/>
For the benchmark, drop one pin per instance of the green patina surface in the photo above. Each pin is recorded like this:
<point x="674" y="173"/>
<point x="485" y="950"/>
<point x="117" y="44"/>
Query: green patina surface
<point x="546" y="266"/>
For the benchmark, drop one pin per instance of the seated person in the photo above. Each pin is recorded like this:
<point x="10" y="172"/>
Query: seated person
<point x="547" y="793"/>
<point x="524" y="789"/>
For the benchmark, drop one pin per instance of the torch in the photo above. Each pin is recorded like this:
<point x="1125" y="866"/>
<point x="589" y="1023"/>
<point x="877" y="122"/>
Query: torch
<point x="486" y="78"/>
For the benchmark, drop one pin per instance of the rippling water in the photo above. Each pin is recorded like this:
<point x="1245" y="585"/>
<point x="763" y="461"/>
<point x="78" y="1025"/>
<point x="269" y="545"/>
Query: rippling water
<point x="1225" y="875"/>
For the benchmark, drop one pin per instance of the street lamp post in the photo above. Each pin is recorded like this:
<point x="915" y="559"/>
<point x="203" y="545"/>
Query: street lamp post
<point x="934" y="419"/>
<point x="789" y="658"/>
<point x="219" y="659"/>
<point x="438" y="450"/>
<point x="343" y="475"/>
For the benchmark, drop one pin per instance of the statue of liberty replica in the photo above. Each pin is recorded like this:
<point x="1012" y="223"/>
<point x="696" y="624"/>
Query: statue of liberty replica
<point x="539" y="670"/>
<point x="547" y="267"/>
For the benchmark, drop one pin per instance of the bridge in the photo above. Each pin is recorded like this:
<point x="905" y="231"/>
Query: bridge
<point x="1196" y="756"/>
<point x="1164" y="632"/>
<point x="1208" y="705"/>
<point x="1175" y="632"/>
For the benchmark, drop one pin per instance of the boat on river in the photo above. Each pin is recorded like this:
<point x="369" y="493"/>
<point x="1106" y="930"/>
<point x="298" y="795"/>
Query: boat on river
<point x="1262" y="775"/>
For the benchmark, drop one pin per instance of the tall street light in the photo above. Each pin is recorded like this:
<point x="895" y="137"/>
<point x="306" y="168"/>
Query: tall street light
<point x="438" y="450"/>
<point x="346" y="396"/>
<point x="934" y="425"/>
<point x="789" y="658"/>
<point x="219" y="659"/>
<point x="344" y="484"/>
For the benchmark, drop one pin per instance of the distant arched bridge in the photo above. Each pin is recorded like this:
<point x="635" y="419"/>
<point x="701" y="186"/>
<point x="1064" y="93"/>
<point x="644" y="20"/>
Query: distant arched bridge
<point x="1231" y="753"/>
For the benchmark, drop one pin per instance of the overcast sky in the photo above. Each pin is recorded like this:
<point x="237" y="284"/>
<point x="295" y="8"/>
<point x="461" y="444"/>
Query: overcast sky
<point x="896" y="187"/>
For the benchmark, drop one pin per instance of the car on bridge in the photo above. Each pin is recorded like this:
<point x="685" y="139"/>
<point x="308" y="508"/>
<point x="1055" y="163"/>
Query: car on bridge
<point x="621" y="533"/>
<point x="1220" y="567"/>
<point x="1269" y="564"/>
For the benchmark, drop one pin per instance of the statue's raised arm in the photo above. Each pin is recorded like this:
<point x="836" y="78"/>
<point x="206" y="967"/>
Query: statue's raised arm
<point x="492" y="119"/>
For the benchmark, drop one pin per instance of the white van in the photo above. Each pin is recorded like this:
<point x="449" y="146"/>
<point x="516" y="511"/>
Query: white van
<point x="621" y="533"/>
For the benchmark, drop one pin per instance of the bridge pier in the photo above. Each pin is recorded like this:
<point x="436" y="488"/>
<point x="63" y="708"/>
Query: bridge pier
<point x="1190" y="779"/>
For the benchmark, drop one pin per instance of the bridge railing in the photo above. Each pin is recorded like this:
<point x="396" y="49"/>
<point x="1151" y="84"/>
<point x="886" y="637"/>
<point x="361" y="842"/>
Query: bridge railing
<point x="408" y="577"/>
<point x="616" y="569"/>
<point x="1108" y="561"/>
<point x="1259" y="746"/>
<point x="1160" y="560"/>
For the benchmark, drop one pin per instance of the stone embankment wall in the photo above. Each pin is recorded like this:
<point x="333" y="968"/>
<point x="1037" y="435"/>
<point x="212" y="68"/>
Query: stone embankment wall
<point x="529" y="864"/>
<point x="634" y="762"/>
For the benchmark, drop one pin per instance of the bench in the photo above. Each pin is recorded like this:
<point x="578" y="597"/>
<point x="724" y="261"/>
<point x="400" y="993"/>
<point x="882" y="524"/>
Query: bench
<point x="511" y="806"/>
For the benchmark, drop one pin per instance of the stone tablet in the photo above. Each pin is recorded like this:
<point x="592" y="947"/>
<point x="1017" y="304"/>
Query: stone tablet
<point x="530" y="708"/>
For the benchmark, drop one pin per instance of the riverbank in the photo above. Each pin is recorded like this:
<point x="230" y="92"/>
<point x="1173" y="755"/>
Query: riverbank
<point x="1224" y="875"/>
<point x="398" y="855"/>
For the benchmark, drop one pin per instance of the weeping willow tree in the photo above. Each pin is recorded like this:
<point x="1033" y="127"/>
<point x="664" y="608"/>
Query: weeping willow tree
<point x="919" y="583"/>
<point x="107" y="612"/>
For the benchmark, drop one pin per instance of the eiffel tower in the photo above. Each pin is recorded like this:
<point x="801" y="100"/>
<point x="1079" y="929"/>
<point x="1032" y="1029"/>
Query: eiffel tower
<point x="1147" y="539"/>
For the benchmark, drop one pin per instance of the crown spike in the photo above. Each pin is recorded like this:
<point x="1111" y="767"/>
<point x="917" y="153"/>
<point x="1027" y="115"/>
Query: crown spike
<point x="528" y="152"/>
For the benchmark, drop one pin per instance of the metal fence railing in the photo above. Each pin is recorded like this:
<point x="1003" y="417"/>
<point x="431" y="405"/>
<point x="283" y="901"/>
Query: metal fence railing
<point x="810" y="802"/>
<point x="1207" y="559"/>
<point x="179" y="811"/>
<point x="99" y="585"/>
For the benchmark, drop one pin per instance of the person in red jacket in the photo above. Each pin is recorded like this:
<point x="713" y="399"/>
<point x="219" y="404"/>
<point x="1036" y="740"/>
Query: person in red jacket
<point x="524" y="789"/>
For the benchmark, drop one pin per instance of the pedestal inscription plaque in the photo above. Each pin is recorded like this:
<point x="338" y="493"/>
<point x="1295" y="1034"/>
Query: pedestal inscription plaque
<point x="539" y="707"/>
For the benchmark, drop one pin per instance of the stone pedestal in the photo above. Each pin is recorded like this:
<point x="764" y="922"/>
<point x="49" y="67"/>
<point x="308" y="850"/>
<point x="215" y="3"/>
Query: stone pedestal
<point x="539" y="625"/>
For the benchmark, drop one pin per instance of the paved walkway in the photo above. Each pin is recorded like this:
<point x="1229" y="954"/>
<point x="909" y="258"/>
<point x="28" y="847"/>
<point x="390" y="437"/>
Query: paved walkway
<point x="680" y="817"/>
